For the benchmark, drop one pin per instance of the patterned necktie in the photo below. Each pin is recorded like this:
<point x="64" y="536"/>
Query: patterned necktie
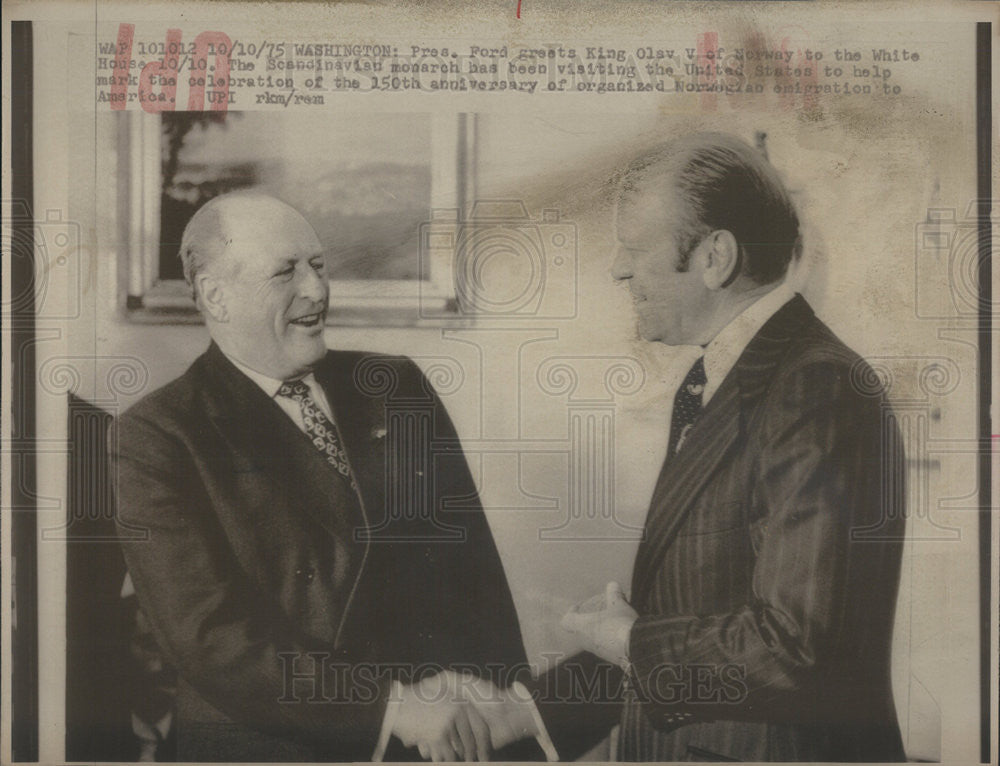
<point x="687" y="406"/>
<point x="320" y="430"/>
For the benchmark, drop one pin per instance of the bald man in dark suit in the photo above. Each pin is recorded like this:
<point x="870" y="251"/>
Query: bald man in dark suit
<point x="300" y="567"/>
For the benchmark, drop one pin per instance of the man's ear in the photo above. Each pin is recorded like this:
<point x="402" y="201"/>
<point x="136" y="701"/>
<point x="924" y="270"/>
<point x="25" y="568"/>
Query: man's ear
<point x="722" y="259"/>
<point x="212" y="296"/>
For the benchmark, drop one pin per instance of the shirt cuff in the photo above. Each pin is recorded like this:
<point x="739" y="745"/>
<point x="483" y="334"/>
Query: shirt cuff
<point x="542" y="734"/>
<point x="623" y="640"/>
<point x="388" y="721"/>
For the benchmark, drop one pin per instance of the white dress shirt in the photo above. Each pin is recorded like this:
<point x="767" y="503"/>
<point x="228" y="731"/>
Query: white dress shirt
<point x="291" y="407"/>
<point x="726" y="347"/>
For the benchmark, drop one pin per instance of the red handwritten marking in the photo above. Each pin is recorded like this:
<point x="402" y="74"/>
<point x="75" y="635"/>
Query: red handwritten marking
<point x="519" y="8"/>
<point x="219" y="98"/>
<point x="123" y="55"/>
<point x="708" y="43"/>
<point x="810" y="99"/>
<point x="166" y="72"/>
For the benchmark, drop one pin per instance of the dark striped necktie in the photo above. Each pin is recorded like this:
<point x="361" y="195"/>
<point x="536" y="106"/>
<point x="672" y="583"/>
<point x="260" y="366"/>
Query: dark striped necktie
<point x="687" y="406"/>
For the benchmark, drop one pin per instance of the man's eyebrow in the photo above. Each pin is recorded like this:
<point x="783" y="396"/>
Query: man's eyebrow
<point x="291" y="260"/>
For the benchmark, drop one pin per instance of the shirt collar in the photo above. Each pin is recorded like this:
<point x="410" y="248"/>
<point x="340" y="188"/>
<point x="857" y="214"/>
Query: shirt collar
<point x="268" y="384"/>
<point x="726" y="347"/>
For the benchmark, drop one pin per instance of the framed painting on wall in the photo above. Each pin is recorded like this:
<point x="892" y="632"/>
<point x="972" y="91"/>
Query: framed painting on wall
<point x="369" y="184"/>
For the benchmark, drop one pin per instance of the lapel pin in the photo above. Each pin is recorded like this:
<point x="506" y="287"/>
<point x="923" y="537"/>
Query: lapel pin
<point x="378" y="433"/>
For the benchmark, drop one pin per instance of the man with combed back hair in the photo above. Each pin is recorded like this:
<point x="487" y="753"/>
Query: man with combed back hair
<point x="759" y="622"/>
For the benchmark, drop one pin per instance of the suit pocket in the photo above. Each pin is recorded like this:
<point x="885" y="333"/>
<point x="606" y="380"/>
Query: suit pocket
<point x="713" y="517"/>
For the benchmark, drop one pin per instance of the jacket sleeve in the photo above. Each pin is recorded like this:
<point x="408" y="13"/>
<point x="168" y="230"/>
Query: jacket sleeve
<point x="226" y="638"/>
<point x="439" y="551"/>
<point x="472" y="605"/>
<point x="822" y="598"/>
<point x="580" y="701"/>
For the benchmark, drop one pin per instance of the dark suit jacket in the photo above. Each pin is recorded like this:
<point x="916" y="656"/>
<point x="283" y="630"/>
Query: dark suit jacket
<point x="767" y="579"/>
<point x="286" y="606"/>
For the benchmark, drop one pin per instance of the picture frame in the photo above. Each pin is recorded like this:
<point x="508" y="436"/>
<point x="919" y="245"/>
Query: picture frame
<point x="152" y="289"/>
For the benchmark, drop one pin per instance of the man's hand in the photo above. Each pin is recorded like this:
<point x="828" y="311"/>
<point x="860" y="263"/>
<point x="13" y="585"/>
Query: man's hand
<point x="444" y="726"/>
<point x="604" y="622"/>
<point x="509" y="714"/>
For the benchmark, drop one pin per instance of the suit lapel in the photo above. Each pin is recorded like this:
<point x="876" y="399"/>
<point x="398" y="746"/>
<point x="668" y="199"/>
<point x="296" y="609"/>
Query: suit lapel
<point x="360" y="422"/>
<point x="711" y="439"/>
<point x="266" y="443"/>
<point x="683" y="476"/>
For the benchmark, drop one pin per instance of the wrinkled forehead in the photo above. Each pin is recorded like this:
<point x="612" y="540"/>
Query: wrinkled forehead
<point x="266" y="228"/>
<point x="647" y="208"/>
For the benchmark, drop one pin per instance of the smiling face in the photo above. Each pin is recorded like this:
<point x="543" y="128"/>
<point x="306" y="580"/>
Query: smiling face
<point x="671" y="304"/>
<point x="271" y="286"/>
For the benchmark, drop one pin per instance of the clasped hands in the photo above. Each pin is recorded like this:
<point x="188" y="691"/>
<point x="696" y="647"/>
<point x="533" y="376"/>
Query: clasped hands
<point x="451" y="717"/>
<point x="603" y="623"/>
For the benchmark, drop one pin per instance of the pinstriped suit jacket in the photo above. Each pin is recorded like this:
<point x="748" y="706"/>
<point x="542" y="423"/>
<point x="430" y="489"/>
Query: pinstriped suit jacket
<point x="767" y="579"/>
